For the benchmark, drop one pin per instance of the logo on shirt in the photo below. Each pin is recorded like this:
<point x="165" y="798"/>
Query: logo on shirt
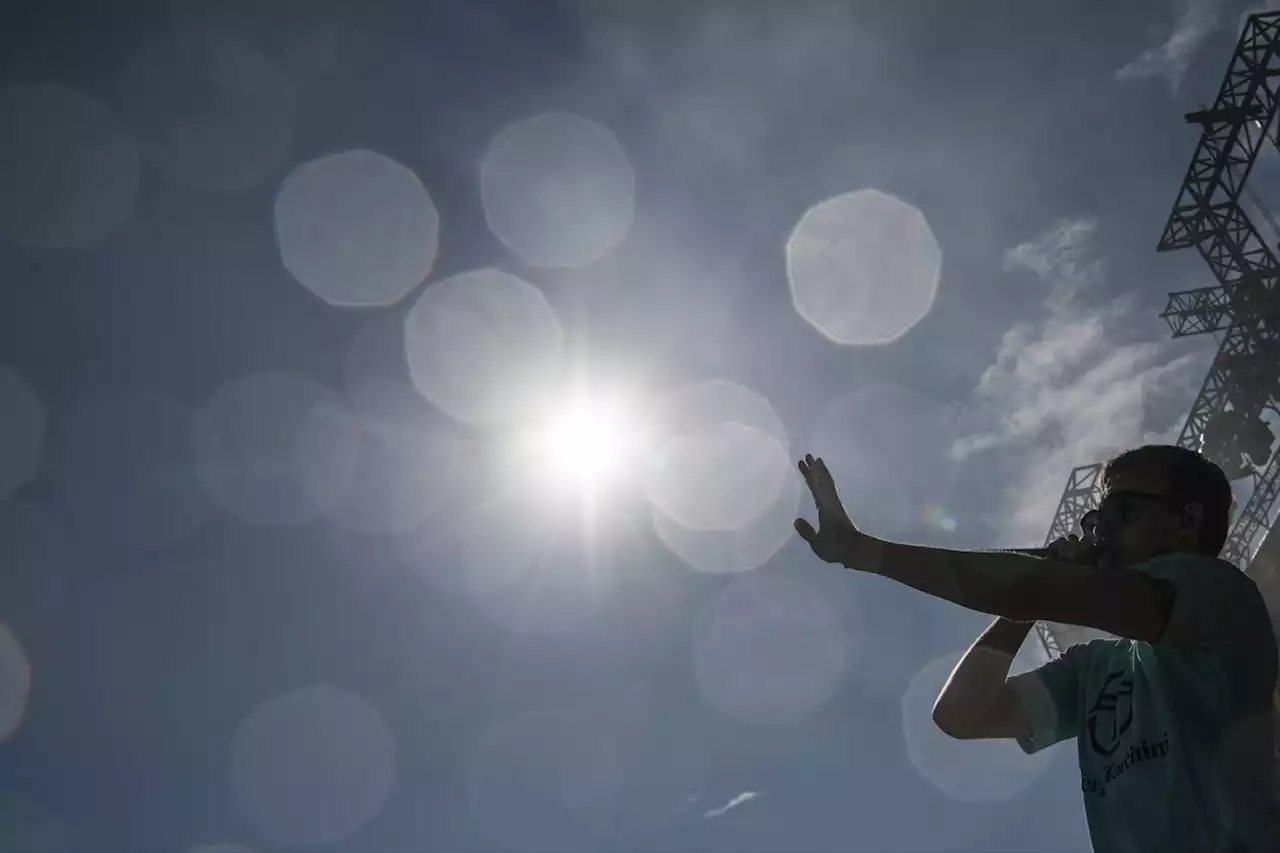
<point x="1112" y="713"/>
<point x="1109" y="722"/>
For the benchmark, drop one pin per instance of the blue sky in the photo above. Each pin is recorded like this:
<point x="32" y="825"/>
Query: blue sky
<point x="285" y="288"/>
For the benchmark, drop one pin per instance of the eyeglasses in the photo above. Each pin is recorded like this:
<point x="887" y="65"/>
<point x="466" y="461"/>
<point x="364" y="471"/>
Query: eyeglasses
<point x="1119" y="507"/>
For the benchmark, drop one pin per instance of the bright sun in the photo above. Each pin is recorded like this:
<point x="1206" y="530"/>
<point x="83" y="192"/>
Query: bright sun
<point x="585" y="441"/>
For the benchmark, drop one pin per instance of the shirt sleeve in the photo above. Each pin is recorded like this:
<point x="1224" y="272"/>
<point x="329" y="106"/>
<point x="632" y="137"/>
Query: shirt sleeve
<point x="1214" y="603"/>
<point x="1218" y="615"/>
<point x="1050" y="695"/>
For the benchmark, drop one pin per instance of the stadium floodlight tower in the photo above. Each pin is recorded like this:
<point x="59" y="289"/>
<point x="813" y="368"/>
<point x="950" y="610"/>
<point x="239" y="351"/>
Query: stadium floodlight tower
<point x="1227" y="420"/>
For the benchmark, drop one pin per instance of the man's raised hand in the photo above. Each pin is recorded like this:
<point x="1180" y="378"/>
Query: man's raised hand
<point x="836" y="536"/>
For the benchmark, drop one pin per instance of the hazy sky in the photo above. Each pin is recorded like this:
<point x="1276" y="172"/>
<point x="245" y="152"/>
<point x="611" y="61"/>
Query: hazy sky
<point x="288" y="289"/>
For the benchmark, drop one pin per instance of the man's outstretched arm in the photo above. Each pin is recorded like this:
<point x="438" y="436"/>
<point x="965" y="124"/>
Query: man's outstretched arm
<point x="1016" y="586"/>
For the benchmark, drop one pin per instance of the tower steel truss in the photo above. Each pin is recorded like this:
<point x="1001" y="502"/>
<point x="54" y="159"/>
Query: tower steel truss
<point x="1226" y="420"/>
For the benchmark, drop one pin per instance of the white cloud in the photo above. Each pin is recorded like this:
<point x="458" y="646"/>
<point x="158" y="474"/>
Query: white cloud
<point x="740" y="799"/>
<point x="1072" y="388"/>
<point x="1171" y="58"/>
<point x="1060" y="254"/>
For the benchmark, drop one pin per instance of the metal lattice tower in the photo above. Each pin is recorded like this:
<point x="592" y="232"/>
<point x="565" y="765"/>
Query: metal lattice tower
<point x="1243" y="384"/>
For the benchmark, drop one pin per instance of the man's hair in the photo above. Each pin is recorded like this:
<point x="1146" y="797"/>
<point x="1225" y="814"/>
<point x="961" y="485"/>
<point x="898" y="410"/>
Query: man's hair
<point x="1192" y="478"/>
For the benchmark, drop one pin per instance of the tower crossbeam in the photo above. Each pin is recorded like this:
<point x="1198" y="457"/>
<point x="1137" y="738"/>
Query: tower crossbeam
<point x="1234" y="130"/>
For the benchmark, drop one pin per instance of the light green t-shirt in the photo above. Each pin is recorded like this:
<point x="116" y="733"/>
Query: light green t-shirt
<point x="1176" y="739"/>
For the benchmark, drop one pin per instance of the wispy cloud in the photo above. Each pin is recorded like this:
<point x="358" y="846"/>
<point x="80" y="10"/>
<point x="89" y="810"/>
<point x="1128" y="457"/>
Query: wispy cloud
<point x="1171" y="58"/>
<point x="1061" y="254"/>
<point x="740" y="799"/>
<point x="1074" y="387"/>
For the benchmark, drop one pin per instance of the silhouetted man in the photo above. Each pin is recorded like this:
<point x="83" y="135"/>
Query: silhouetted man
<point x="1174" y="718"/>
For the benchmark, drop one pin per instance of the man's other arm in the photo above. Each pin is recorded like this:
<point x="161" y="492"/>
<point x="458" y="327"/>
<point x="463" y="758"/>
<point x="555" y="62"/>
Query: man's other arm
<point x="1037" y="708"/>
<point x="977" y="701"/>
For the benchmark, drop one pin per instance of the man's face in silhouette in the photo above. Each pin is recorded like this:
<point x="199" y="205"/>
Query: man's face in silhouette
<point x="1139" y="519"/>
